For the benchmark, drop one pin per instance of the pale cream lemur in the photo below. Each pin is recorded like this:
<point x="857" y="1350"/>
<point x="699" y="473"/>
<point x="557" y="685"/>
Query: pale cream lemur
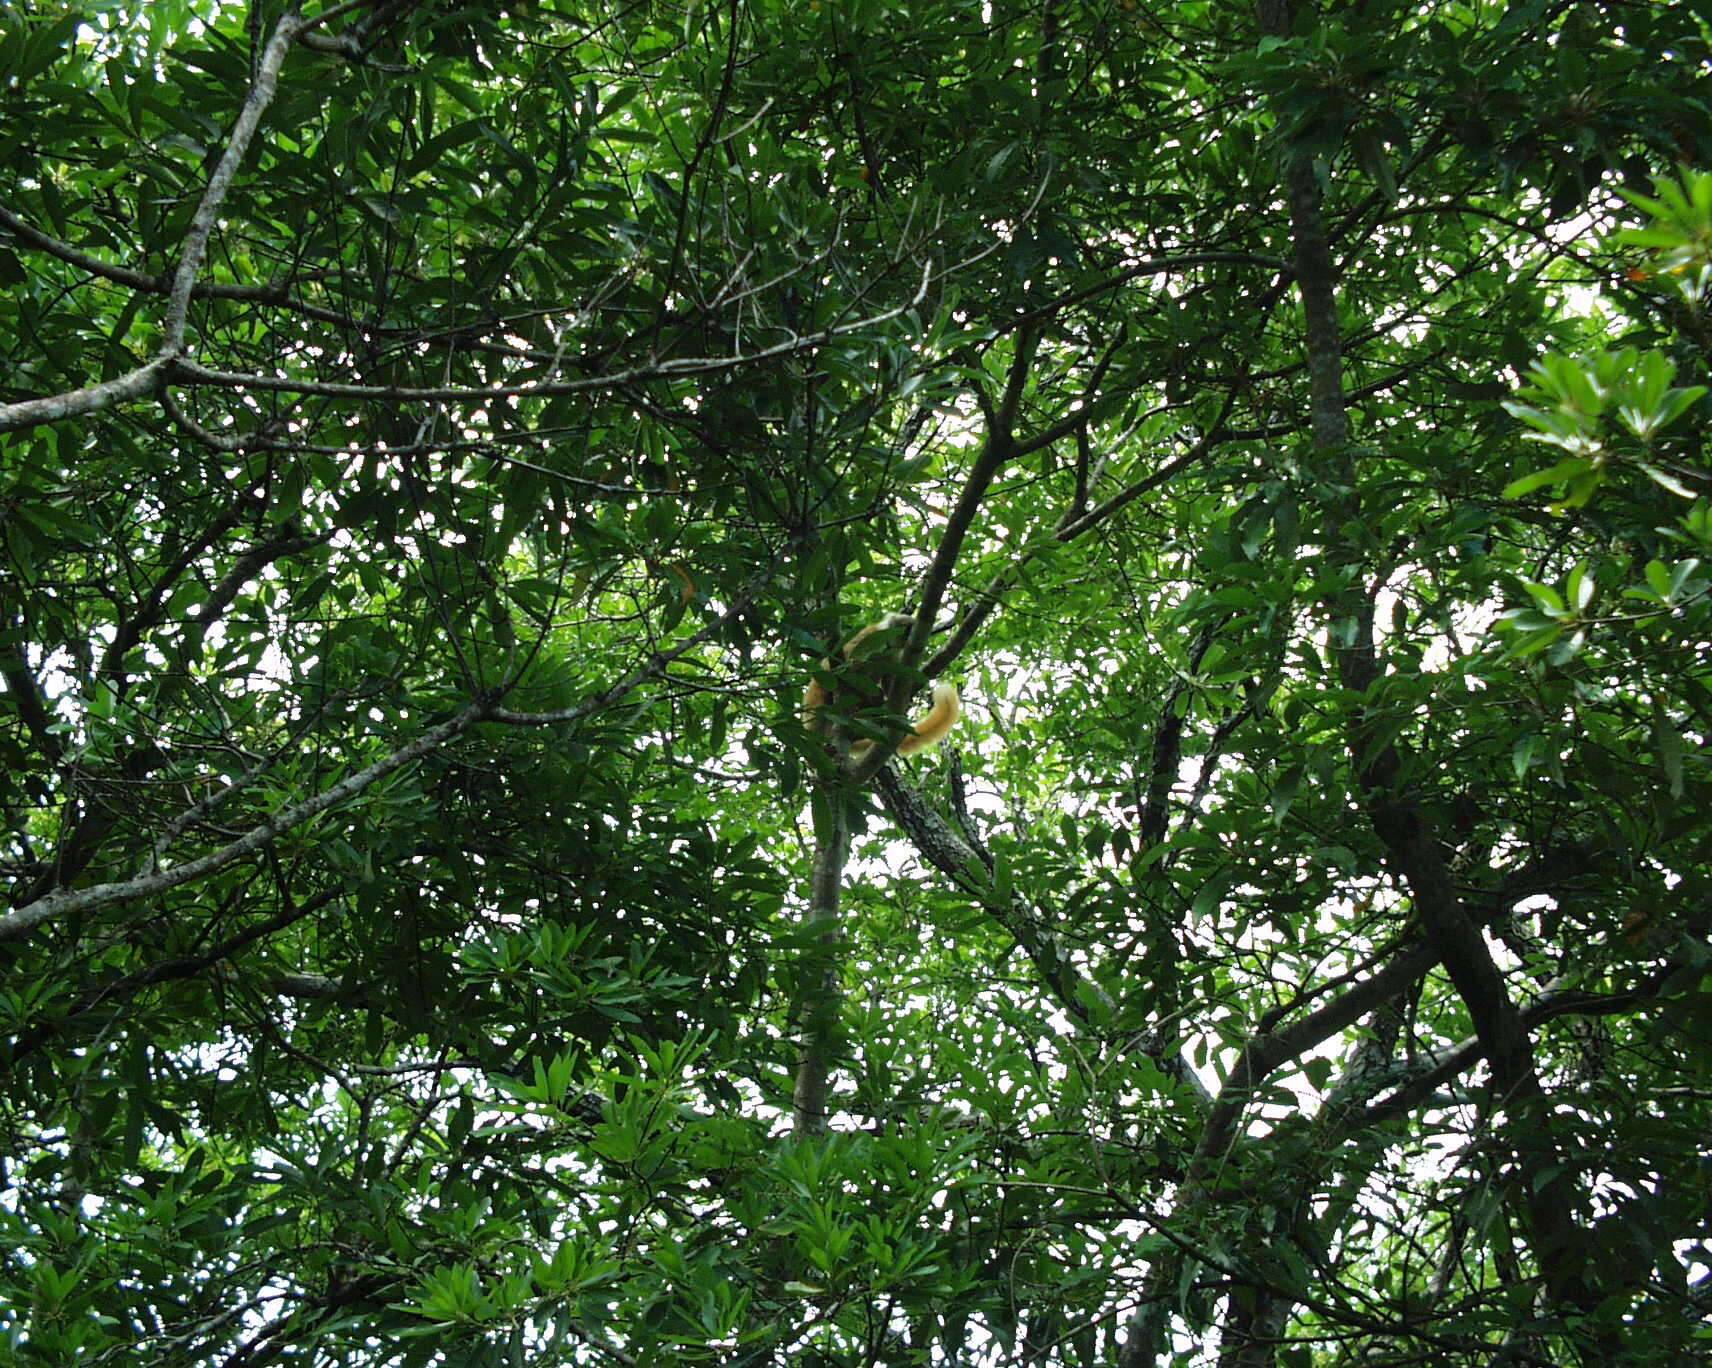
<point x="932" y="726"/>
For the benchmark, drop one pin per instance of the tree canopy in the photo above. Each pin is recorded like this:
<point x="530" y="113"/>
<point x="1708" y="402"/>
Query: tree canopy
<point x="440" y="443"/>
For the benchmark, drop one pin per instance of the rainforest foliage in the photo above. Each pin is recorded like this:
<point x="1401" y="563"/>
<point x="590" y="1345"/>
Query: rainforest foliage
<point x="440" y="442"/>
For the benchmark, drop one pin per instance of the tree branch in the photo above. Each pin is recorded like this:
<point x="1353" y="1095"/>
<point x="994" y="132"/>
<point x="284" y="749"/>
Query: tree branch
<point x="65" y="901"/>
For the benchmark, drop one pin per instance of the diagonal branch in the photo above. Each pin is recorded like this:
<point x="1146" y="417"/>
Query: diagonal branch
<point x="969" y="867"/>
<point x="67" y="901"/>
<point x="63" y="902"/>
<point x="148" y="377"/>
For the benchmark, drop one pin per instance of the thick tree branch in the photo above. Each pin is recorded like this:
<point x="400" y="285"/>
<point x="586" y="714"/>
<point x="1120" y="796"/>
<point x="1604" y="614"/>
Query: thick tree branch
<point x="1557" y="1001"/>
<point x="992" y="595"/>
<point x="1411" y="847"/>
<point x="27" y="698"/>
<point x="998" y="449"/>
<point x="819" y="995"/>
<point x="1262" y="1054"/>
<point x="969" y="867"/>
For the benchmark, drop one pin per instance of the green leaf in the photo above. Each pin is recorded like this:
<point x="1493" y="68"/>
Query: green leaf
<point x="1558" y="474"/>
<point x="1667" y="744"/>
<point x="1524" y="753"/>
<point x="1659" y="577"/>
<point x="1550" y="602"/>
<point x="1666" y="480"/>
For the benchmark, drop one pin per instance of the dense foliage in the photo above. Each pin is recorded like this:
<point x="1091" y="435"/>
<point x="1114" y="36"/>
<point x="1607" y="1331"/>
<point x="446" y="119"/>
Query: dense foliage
<point x="439" y="442"/>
